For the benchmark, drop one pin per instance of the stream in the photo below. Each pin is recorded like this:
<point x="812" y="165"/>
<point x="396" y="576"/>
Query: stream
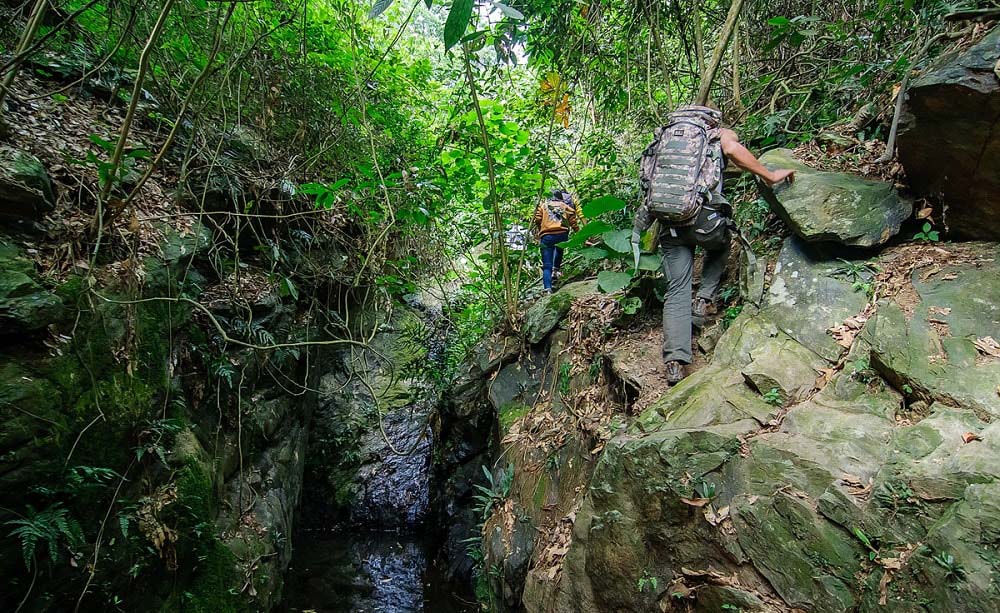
<point x="369" y="571"/>
<point x="381" y="554"/>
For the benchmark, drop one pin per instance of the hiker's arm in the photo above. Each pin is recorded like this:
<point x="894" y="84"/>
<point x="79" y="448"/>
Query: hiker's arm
<point x="741" y="156"/>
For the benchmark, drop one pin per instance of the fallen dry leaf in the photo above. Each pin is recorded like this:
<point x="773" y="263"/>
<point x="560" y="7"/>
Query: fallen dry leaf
<point x="891" y="563"/>
<point x="968" y="437"/>
<point x="988" y="346"/>
<point x="924" y="213"/>
<point x="696" y="502"/>
<point x="825" y="375"/>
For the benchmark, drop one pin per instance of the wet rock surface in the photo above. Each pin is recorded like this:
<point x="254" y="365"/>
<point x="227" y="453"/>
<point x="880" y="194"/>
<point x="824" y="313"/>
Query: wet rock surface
<point x="949" y="137"/>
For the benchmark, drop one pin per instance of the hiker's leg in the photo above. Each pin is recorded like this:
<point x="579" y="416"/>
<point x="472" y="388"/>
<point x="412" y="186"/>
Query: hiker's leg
<point x="548" y="258"/>
<point x="713" y="269"/>
<point x="678" y="261"/>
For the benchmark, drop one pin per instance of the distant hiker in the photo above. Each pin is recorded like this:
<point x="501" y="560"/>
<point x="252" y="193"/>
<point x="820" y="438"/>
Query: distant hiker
<point x="554" y="218"/>
<point x="681" y="175"/>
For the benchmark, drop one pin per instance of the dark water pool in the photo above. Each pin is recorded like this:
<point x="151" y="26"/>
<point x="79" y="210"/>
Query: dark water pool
<point x="368" y="572"/>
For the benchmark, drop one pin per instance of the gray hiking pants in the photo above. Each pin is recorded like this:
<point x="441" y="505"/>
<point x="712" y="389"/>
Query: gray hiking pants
<point x="678" y="266"/>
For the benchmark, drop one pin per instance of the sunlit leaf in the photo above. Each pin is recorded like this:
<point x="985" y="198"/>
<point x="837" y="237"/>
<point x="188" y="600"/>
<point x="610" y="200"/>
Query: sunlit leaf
<point x="458" y="21"/>
<point x="593" y="228"/>
<point x="602" y="205"/>
<point x="509" y="11"/>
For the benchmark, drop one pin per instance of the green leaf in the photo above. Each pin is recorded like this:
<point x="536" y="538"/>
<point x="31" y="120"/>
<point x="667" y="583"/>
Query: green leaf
<point x="602" y="205"/>
<point x="927" y="226"/>
<point x="611" y="281"/>
<point x="778" y="21"/>
<point x="100" y="142"/>
<point x="428" y="3"/>
<point x="593" y="228"/>
<point x="509" y="11"/>
<point x="288" y="288"/>
<point x="378" y="8"/>
<point x="619" y="240"/>
<point x="650" y="261"/>
<point x="458" y="21"/>
<point x="593" y="253"/>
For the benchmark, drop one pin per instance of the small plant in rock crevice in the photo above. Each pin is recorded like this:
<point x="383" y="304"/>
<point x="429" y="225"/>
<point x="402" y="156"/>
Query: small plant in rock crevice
<point x="927" y="234"/>
<point x="773" y="397"/>
<point x="647" y="580"/>
<point x="704" y="489"/>
<point x="953" y="568"/>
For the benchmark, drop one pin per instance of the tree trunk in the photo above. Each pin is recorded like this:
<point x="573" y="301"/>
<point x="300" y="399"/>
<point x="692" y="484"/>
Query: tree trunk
<point x="34" y="20"/>
<point x="699" y="47"/>
<point x="720" y="48"/>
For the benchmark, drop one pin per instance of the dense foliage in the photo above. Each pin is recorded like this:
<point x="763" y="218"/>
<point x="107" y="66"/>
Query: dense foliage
<point x="402" y="141"/>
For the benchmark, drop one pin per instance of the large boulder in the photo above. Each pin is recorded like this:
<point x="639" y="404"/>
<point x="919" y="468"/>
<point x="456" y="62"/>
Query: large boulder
<point x="26" y="193"/>
<point x="949" y="137"/>
<point x="835" y="207"/>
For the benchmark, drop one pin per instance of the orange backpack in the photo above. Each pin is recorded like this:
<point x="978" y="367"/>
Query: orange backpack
<point x="554" y="217"/>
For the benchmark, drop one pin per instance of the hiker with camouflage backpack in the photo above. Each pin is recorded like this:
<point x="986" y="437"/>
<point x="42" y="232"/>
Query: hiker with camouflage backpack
<point x="554" y="218"/>
<point x="681" y="176"/>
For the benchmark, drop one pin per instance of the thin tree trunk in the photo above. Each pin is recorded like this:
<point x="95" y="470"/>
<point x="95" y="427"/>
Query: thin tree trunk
<point x="116" y="156"/>
<point x="737" y="90"/>
<point x="720" y="49"/>
<point x="34" y="20"/>
<point x="699" y="46"/>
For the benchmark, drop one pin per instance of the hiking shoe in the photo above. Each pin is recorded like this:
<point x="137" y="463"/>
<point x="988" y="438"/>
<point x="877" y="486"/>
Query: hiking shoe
<point x="675" y="372"/>
<point x="701" y="309"/>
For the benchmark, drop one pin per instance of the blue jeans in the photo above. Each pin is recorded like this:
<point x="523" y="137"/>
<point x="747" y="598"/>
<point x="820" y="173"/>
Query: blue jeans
<point x="551" y="256"/>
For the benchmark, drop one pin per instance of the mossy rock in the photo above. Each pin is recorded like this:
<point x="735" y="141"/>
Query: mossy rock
<point x="26" y="193"/>
<point x="929" y="349"/>
<point x="545" y="314"/>
<point x="834" y="206"/>
<point x="25" y="306"/>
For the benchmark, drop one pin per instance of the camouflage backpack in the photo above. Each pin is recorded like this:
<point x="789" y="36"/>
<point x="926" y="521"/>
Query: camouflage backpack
<point x="683" y="165"/>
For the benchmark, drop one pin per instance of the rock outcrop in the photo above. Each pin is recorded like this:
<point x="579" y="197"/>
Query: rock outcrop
<point x="949" y="137"/>
<point x="834" y="455"/>
<point x="868" y="480"/>
<point x="835" y="207"/>
<point x="26" y="192"/>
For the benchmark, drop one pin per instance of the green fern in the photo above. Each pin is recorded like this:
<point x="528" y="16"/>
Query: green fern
<point x="50" y="526"/>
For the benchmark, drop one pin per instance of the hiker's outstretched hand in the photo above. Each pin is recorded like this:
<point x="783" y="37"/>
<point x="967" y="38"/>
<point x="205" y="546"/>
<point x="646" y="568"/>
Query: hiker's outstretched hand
<point x="782" y="175"/>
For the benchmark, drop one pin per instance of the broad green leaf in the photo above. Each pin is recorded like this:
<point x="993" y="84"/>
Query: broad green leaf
<point x="611" y="281"/>
<point x="593" y="228"/>
<point x="619" y="240"/>
<point x="378" y="8"/>
<point x="778" y="21"/>
<point x="593" y="253"/>
<point x="650" y="261"/>
<point x="510" y="11"/>
<point x="602" y="205"/>
<point x="458" y="21"/>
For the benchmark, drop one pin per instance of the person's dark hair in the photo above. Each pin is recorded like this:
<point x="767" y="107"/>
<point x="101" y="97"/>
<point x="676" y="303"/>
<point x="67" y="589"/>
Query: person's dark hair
<point x="557" y="194"/>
